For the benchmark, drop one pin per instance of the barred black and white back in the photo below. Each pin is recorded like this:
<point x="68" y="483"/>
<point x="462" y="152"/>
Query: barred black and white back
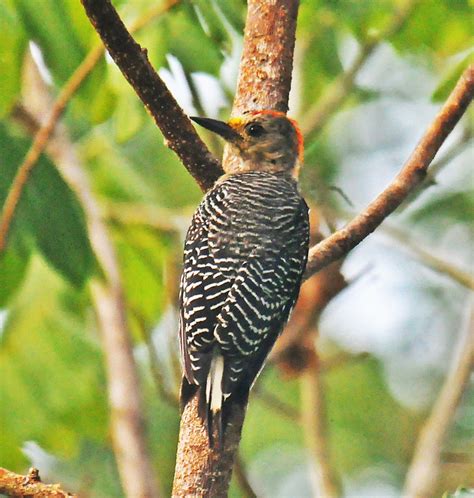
<point x="244" y="256"/>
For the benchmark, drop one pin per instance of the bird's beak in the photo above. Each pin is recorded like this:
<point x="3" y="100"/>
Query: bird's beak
<point x="219" y="127"/>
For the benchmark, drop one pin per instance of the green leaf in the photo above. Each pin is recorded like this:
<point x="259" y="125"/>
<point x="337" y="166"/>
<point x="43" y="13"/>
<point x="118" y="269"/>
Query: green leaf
<point x="321" y="64"/>
<point x="460" y="493"/>
<point x="454" y="207"/>
<point x="196" y="51"/>
<point x="52" y="375"/>
<point x="218" y="18"/>
<point x="48" y="215"/>
<point x="47" y="25"/>
<point x="103" y="103"/>
<point x="160" y="172"/>
<point x="65" y="35"/>
<point x="12" y="269"/>
<point x="447" y="84"/>
<point x="142" y="257"/>
<point x="440" y="26"/>
<point x="359" y="17"/>
<point x="12" y="48"/>
<point x="128" y="119"/>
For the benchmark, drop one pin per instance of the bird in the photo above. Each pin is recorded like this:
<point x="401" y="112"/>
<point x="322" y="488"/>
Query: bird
<point x="244" y="257"/>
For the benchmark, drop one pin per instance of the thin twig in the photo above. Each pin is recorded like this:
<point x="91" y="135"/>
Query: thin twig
<point x="315" y="294"/>
<point x="424" y="469"/>
<point x="276" y="404"/>
<point x="317" y="116"/>
<point x="127" y="424"/>
<point x="430" y="260"/>
<point x="427" y="258"/>
<point x="411" y="175"/>
<point x="340" y="360"/>
<point x="464" y="141"/>
<point x="437" y="166"/>
<point x="242" y="479"/>
<point x="17" y="485"/>
<point x="180" y="135"/>
<point x="455" y="149"/>
<point x="158" y="378"/>
<point x="129" y="441"/>
<point x="42" y="136"/>
<point x="325" y="481"/>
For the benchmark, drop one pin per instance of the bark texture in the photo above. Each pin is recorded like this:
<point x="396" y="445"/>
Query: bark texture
<point x="12" y="484"/>
<point x="267" y="56"/>
<point x="201" y="471"/>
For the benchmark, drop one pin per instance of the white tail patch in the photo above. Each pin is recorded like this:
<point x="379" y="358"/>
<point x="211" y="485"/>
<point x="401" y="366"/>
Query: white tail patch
<point x="214" y="384"/>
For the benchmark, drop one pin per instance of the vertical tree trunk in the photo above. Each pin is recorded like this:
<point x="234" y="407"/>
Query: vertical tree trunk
<point x="264" y="83"/>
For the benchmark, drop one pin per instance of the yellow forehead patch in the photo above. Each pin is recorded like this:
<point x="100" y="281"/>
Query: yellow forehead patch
<point x="235" y="122"/>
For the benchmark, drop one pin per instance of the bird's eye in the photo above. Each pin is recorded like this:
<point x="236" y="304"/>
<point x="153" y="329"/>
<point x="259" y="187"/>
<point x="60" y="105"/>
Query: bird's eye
<point x="255" y="130"/>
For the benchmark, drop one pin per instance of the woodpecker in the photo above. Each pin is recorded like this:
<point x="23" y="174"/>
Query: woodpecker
<point x="244" y="257"/>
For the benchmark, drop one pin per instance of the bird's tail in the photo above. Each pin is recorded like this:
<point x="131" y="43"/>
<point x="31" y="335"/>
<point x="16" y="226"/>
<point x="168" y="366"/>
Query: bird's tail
<point x="211" y="399"/>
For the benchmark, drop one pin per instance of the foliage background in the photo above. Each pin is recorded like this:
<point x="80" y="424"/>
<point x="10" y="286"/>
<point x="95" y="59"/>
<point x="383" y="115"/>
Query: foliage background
<point x="399" y="310"/>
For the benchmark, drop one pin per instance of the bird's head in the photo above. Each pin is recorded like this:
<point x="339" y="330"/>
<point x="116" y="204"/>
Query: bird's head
<point x="261" y="141"/>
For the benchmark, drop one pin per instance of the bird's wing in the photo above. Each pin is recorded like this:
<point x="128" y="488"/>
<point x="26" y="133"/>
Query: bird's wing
<point x="203" y="291"/>
<point x="257" y="308"/>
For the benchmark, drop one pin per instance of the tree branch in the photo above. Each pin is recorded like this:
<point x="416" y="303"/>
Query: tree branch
<point x="429" y="259"/>
<point x="12" y="484"/>
<point x="416" y="250"/>
<point x="242" y="479"/>
<point x="275" y="404"/>
<point x="132" y="60"/>
<point x="423" y="472"/>
<point x="325" y="481"/>
<point x="264" y="83"/>
<point x="200" y="470"/>
<point x="411" y="175"/>
<point x="267" y="57"/>
<point x="126" y="412"/>
<point x="464" y="141"/>
<point x="43" y="134"/>
<point x="296" y="355"/>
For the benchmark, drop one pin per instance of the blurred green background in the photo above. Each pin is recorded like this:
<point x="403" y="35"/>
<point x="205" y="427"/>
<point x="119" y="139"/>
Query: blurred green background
<point x="401" y="308"/>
